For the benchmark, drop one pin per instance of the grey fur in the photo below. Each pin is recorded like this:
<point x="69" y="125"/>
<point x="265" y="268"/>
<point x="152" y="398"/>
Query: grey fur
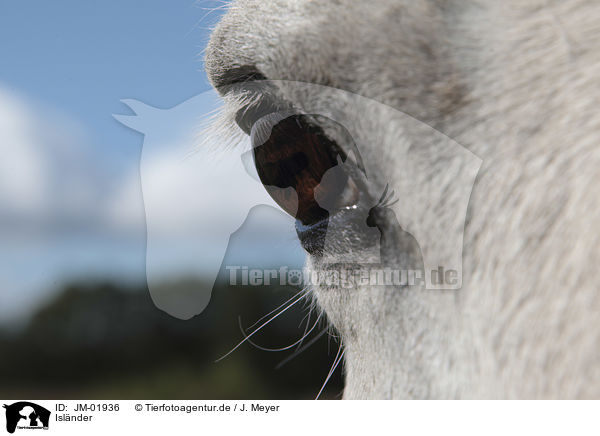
<point x="515" y="82"/>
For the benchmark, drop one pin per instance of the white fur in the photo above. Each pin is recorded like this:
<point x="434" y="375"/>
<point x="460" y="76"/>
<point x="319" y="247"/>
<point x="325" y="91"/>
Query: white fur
<point x="516" y="83"/>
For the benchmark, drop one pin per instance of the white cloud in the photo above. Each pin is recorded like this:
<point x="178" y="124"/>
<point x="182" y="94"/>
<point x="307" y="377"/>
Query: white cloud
<point x="23" y="171"/>
<point x="49" y="179"/>
<point x="51" y="199"/>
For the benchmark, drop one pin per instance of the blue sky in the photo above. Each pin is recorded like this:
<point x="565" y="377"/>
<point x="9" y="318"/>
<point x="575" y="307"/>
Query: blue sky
<point x="83" y="57"/>
<point x="70" y="192"/>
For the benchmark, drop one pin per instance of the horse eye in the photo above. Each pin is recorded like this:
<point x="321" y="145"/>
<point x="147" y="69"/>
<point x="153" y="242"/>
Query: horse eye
<point x="294" y="153"/>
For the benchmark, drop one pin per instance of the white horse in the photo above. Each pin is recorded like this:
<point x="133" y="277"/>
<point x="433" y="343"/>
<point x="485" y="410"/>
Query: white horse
<point x="514" y="82"/>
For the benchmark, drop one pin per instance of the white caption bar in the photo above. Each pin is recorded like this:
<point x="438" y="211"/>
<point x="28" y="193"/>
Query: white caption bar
<point x="300" y="417"/>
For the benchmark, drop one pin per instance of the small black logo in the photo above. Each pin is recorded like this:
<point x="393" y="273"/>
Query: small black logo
<point x="26" y="415"/>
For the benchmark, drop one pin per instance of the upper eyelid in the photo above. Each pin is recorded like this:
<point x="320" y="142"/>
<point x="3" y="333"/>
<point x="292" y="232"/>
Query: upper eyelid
<point x="236" y="75"/>
<point x="254" y="102"/>
<point x="343" y="142"/>
<point x="249" y="114"/>
<point x="261" y="97"/>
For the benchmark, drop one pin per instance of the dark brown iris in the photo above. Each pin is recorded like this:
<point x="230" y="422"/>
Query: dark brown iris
<point x="296" y="155"/>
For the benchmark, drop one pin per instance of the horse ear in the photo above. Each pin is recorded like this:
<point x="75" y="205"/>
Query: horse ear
<point x="143" y="115"/>
<point x="5" y="406"/>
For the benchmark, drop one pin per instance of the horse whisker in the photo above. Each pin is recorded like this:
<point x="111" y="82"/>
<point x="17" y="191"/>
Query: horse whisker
<point x="276" y="309"/>
<point x="264" y="324"/>
<point x="300" y="350"/>
<point x="283" y="348"/>
<point x="336" y="362"/>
